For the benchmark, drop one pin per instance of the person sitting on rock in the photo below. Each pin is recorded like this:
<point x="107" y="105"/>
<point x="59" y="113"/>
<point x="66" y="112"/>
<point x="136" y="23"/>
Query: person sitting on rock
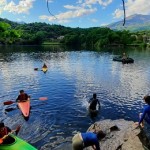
<point x="94" y="102"/>
<point x="83" y="140"/>
<point x="146" y="113"/>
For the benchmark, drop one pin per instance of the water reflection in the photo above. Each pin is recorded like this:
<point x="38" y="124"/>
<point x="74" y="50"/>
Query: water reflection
<point x="71" y="78"/>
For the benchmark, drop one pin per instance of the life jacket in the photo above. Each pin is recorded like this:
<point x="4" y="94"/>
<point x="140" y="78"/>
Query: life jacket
<point x="3" y="132"/>
<point x="23" y="97"/>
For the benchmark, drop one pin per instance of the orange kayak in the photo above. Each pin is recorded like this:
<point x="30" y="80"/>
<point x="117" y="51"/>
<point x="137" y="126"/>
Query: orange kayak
<point x="24" y="107"/>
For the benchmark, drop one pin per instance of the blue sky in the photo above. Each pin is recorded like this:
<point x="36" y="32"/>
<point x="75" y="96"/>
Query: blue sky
<point x="72" y="13"/>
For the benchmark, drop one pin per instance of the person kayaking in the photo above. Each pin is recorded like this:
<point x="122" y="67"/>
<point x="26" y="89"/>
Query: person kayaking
<point x="124" y="56"/>
<point x="22" y="96"/>
<point x="145" y="116"/>
<point x="4" y="130"/>
<point x="93" y="102"/>
<point x="44" y="66"/>
<point x="83" y="140"/>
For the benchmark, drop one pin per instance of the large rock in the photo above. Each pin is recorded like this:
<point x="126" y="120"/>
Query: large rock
<point x="120" y="135"/>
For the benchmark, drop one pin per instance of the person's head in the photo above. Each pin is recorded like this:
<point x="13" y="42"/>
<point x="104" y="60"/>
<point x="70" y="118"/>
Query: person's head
<point x="94" y="95"/>
<point x="1" y="125"/>
<point x="100" y="134"/>
<point x="147" y="99"/>
<point x="21" y="91"/>
<point x="124" y="53"/>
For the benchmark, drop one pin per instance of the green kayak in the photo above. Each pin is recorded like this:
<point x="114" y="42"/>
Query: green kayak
<point x="15" y="143"/>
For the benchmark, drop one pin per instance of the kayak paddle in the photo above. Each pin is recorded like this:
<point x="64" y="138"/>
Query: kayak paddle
<point x="12" y="102"/>
<point x="43" y="98"/>
<point x="5" y="136"/>
<point x="38" y="69"/>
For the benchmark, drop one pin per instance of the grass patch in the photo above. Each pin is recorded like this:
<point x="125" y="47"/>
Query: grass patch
<point x="51" y="43"/>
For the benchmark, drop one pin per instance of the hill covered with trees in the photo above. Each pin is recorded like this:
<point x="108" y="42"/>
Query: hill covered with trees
<point x="38" y="33"/>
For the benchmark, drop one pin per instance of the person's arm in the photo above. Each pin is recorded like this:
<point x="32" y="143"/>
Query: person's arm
<point x="26" y="97"/>
<point x="97" y="146"/>
<point x="8" y="129"/>
<point x="18" y="98"/>
<point x="93" y="146"/>
<point x="143" y="116"/>
<point x="98" y="103"/>
<point x="90" y="100"/>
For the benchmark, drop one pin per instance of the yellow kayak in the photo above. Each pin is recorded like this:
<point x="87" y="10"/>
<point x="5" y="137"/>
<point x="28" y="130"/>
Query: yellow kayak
<point x="44" y="69"/>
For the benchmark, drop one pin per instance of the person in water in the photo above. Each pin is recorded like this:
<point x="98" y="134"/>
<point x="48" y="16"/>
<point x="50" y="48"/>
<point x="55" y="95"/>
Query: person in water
<point x="94" y="102"/>
<point x="83" y="140"/>
<point x="145" y="116"/>
<point x="22" y="96"/>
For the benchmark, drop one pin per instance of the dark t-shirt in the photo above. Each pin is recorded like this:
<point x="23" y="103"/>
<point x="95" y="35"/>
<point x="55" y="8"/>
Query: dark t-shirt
<point x="93" y="103"/>
<point x="22" y="97"/>
<point x="145" y="115"/>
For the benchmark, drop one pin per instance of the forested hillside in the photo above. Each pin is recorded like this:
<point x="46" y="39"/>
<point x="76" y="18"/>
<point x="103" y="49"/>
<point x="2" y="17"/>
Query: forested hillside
<point x="38" y="33"/>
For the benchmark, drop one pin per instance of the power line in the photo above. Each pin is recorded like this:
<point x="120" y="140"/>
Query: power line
<point x="124" y="21"/>
<point x="49" y="10"/>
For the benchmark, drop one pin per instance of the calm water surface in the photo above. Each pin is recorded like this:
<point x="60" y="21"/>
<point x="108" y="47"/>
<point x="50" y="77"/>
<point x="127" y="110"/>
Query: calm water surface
<point x="70" y="81"/>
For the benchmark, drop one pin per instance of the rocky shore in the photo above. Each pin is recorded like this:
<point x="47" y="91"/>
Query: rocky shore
<point x="120" y="135"/>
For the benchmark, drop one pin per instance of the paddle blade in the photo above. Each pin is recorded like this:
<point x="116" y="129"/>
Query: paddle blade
<point x="10" y="109"/>
<point x="36" y="69"/>
<point x="1" y="141"/>
<point x="43" y="98"/>
<point x="18" y="129"/>
<point x="8" y="103"/>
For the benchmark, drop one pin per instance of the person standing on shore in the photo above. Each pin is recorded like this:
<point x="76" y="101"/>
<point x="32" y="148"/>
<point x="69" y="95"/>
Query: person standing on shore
<point x="145" y="116"/>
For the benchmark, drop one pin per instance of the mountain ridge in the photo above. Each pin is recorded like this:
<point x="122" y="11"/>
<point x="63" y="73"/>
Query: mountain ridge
<point x="136" y="22"/>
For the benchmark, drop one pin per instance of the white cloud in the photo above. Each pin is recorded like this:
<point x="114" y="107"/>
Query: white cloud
<point x="104" y="2"/>
<point x="22" y="7"/>
<point x="101" y="2"/>
<point x="83" y="7"/>
<point x="94" y="20"/>
<point x="2" y="4"/>
<point x="104" y="24"/>
<point x="134" y="7"/>
<point x="66" y="16"/>
<point x="71" y="7"/>
<point x="50" y="1"/>
<point x="79" y="1"/>
<point x="18" y="19"/>
<point x="118" y="13"/>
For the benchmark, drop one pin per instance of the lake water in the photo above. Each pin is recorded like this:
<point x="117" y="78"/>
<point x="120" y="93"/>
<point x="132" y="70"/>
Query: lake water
<point x="72" y="77"/>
